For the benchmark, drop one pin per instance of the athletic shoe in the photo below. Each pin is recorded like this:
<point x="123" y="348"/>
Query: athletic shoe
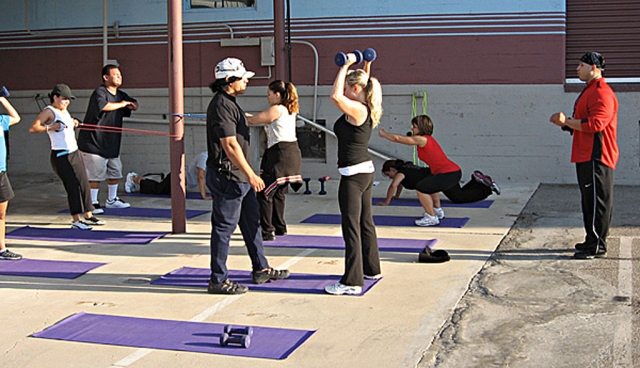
<point x="9" y="255"/>
<point x="260" y="277"/>
<point x="340" y="289"/>
<point x="494" y="186"/>
<point x="81" y="225"/>
<point x="228" y="287"/>
<point x="268" y="236"/>
<point x="482" y="179"/>
<point x="94" y="221"/>
<point x="439" y="213"/>
<point x="587" y="254"/>
<point x="374" y="277"/>
<point x="97" y="209"/>
<point x="428" y="220"/>
<point x="116" y="203"/>
<point x="130" y="186"/>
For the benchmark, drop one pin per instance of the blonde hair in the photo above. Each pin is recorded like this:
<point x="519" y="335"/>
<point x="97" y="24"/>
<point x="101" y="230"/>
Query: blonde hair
<point x="372" y="92"/>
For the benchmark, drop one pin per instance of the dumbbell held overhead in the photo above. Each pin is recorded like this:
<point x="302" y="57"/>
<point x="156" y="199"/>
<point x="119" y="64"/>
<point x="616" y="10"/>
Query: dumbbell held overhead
<point x="341" y="58"/>
<point x="369" y="55"/>
<point x="4" y="92"/>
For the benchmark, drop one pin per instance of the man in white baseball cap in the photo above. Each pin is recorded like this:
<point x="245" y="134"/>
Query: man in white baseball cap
<point x="232" y="67"/>
<point x="232" y="181"/>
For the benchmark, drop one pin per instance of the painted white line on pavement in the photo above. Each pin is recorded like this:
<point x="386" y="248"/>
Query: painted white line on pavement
<point x="622" y="348"/>
<point x="141" y="353"/>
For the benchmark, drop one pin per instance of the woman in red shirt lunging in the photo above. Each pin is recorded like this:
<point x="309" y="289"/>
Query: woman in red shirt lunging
<point x="444" y="174"/>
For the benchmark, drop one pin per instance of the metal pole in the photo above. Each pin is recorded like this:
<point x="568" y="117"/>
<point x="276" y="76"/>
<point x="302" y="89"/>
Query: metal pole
<point x="278" y="34"/>
<point x="176" y="121"/>
<point x="105" y="34"/>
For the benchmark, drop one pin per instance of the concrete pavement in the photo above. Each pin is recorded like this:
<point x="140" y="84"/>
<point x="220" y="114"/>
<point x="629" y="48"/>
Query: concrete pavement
<point x="417" y="314"/>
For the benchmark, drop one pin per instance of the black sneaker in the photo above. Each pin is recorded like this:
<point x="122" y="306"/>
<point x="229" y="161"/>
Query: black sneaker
<point x="228" y="287"/>
<point x="97" y="209"/>
<point x="268" y="236"/>
<point x="581" y="246"/>
<point x="260" y="277"/>
<point x="587" y="254"/>
<point x="9" y="255"/>
<point x="93" y="221"/>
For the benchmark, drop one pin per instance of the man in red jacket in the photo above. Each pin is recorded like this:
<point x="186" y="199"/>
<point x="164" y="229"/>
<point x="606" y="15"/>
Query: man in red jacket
<point x="595" y="151"/>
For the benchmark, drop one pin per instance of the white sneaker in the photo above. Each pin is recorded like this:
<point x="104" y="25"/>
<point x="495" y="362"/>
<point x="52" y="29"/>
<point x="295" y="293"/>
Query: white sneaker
<point x="130" y="186"/>
<point x="340" y="289"/>
<point x="116" y="203"/>
<point x="428" y="220"/>
<point x="81" y="226"/>
<point x="374" y="277"/>
<point x="97" y="209"/>
<point x="439" y="213"/>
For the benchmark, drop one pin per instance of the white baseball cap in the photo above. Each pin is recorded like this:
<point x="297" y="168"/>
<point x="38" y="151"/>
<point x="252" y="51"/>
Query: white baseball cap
<point x="232" y="67"/>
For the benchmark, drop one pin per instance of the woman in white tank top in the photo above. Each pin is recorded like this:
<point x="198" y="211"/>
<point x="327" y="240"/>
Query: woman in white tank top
<point x="56" y="121"/>
<point x="282" y="159"/>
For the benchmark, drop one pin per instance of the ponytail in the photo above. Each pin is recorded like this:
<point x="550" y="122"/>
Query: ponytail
<point x="288" y="95"/>
<point x="372" y="92"/>
<point x="373" y="96"/>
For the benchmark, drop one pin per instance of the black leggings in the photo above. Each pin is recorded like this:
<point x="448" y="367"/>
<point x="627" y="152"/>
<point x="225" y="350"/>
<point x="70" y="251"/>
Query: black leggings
<point x="70" y="169"/>
<point x="358" y="229"/>
<point x="149" y="186"/>
<point x="449" y="184"/>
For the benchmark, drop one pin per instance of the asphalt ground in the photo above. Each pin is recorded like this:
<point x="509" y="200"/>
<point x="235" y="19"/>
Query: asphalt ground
<point x="533" y="305"/>
<point x="510" y="296"/>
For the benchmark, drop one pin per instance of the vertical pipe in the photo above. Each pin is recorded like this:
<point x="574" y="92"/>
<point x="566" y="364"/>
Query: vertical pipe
<point x="105" y="34"/>
<point x="278" y="34"/>
<point x="176" y="106"/>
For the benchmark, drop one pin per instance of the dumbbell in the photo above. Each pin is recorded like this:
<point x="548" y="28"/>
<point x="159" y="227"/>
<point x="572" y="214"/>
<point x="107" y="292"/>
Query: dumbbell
<point x="306" y="183"/>
<point x="242" y="340"/>
<point x="341" y="58"/>
<point x="4" y="92"/>
<point x="322" y="180"/>
<point x="370" y="54"/>
<point x="238" y="330"/>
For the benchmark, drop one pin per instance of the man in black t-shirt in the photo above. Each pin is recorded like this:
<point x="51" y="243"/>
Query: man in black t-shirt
<point x="100" y="149"/>
<point x="232" y="181"/>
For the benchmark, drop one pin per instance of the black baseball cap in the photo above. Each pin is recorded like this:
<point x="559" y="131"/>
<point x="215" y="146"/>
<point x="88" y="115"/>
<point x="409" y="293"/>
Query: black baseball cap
<point x="593" y="58"/>
<point x="62" y="90"/>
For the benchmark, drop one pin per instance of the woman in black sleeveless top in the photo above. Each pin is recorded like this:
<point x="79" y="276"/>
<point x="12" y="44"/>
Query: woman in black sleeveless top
<point x="359" y="97"/>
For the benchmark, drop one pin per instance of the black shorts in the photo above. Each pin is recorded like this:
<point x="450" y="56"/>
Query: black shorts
<point x="6" y="192"/>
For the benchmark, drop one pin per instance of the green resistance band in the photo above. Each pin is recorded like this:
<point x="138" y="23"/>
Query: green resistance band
<point x="414" y="113"/>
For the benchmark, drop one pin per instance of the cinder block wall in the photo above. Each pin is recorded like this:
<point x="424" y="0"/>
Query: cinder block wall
<point x="501" y="130"/>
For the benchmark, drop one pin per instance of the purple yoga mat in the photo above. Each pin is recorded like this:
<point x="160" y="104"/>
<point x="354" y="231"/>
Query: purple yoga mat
<point x="337" y="242"/>
<point x="84" y="236"/>
<point x="304" y="283"/>
<point x="47" y="268"/>
<point x="414" y="202"/>
<point x="266" y="342"/>
<point x="381" y="220"/>
<point x="189" y="195"/>
<point x="145" y="212"/>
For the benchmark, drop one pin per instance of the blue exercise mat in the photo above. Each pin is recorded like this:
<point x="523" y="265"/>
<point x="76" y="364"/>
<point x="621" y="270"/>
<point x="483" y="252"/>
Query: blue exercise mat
<point x="337" y="242"/>
<point x="414" y="202"/>
<point x="84" y="236"/>
<point x="266" y="342"/>
<point x="47" y="268"/>
<point x="189" y="195"/>
<point x="303" y="283"/>
<point x="145" y="212"/>
<point x="382" y="220"/>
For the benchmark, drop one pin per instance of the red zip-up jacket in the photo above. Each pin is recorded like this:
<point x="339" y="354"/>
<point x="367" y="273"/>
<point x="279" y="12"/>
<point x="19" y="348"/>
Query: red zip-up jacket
<point x="597" y="108"/>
